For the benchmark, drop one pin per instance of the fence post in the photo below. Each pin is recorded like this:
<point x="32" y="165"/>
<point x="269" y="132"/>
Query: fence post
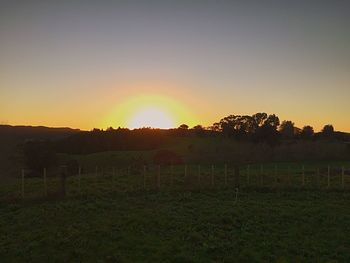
<point x="212" y="175"/>
<point x="158" y="178"/>
<point x="144" y="177"/>
<point x="318" y="177"/>
<point x="248" y="174"/>
<point x="328" y="176"/>
<point x="199" y="175"/>
<point x="63" y="180"/>
<point x="22" y="184"/>
<point x="96" y="171"/>
<point x="45" y="183"/>
<point x="225" y="174"/>
<point x="262" y="174"/>
<point x="236" y="174"/>
<point x="79" y="180"/>
<point x="289" y="176"/>
<point x="342" y="176"/>
<point x="172" y="174"/>
<point x="275" y="173"/>
<point x="185" y="170"/>
<point x="303" y="175"/>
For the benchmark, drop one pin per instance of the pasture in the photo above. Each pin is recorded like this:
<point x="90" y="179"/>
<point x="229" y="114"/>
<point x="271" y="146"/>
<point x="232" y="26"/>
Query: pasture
<point x="122" y="215"/>
<point x="186" y="226"/>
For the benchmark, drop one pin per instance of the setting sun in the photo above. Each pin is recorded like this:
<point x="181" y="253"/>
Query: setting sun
<point x="151" y="117"/>
<point x="150" y="110"/>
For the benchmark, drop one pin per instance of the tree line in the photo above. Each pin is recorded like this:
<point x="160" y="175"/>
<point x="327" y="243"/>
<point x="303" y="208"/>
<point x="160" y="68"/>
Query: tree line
<point x="263" y="127"/>
<point x="257" y="128"/>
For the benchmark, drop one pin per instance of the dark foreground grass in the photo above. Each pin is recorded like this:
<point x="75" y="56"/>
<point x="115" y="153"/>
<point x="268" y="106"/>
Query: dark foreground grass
<point x="210" y="226"/>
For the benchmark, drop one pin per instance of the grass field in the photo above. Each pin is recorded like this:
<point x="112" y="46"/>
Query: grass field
<point x="112" y="218"/>
<point x="197" y="226"/>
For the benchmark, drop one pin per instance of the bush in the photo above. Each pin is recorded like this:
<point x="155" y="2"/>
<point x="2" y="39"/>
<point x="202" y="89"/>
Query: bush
<point x="39" y="155"/>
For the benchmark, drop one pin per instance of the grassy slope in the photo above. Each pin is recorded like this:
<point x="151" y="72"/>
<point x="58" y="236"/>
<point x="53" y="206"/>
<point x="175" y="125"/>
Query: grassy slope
<point x="217" y="150"/>
<point x="179" y="227"/>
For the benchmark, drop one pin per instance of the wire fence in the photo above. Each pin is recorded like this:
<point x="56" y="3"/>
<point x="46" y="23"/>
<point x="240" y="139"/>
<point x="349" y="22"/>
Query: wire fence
<point x="100" y="180"/>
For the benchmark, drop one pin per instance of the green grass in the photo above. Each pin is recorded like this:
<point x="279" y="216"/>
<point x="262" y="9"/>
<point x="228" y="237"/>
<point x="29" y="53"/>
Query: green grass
<point x="110" y="217"/>
<point x="206" y="226"/>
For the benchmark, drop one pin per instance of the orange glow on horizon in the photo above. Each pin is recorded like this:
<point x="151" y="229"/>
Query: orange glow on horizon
<point x="153" y="111"/>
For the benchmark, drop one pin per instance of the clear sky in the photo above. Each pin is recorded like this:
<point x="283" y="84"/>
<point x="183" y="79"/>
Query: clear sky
<point x="88" y="64"/>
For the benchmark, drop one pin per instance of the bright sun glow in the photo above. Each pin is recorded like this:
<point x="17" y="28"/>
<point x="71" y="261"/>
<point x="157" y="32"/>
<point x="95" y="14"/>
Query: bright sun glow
<point x="151" y="117"/>
<point x="154" y="111"/>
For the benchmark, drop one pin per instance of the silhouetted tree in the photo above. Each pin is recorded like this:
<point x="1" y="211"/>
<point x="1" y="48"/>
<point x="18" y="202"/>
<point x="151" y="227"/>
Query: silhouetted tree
<point x="227" y="125"/>
<point x="273" y="121"/>
<point x="258" y="119"/>
<point x="183" y="127"/>
<point x="267" y="132"/>
<point x="235" y="126"/>
<point x="198" y="127"/>
<point x="307" y="132"/>
<point x="199" y="130"/>
<point x="215" y="127"/>
<point x="328" y="131"/>
<point x="287" y="129"/>
<point x="260" y="126"/>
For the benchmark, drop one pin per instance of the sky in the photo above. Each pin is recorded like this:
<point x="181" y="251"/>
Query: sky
<point x="87" y="64"/>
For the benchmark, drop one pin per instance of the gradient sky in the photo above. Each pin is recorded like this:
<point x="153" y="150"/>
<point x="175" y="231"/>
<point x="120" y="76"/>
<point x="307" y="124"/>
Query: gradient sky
<point x="72" y="63"/>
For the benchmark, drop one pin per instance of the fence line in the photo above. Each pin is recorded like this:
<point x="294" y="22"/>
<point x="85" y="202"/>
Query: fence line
<point x="169" y="177"/>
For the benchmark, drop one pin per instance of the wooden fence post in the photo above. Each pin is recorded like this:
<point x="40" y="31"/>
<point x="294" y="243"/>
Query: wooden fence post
<point x="212" y="175"/>
<point x="225" y="174"/>
<point x="199" y="175"/>
<point x="303" y="175"/>
<point x="236" y="175"/>
<point x="275" y="173"/>
<point x="45" y="183"/>
<point x="289" y="176"/>
<point x="248" y="174"/>
<point x="22" y="184"/>
<point x="185" y="170"/>
<point x="63" y="180"/>
<point x="318" y="177"/>
<point x="261" y="174"/>
<point x="328" y="176"/>
<point x="171" y="174"/>
<point x="342" y="176"/>
<point x="144" y="177"/>
<point x="158" y="178"/>
<point x="79" y="180"/>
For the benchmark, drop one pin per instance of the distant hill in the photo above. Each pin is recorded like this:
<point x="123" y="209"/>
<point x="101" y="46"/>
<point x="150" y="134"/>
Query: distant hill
<point x="34" y="132"/>
<point x="12" y="136"/>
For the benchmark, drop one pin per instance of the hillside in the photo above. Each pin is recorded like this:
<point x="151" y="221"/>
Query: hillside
<point x="12" y="136"/>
